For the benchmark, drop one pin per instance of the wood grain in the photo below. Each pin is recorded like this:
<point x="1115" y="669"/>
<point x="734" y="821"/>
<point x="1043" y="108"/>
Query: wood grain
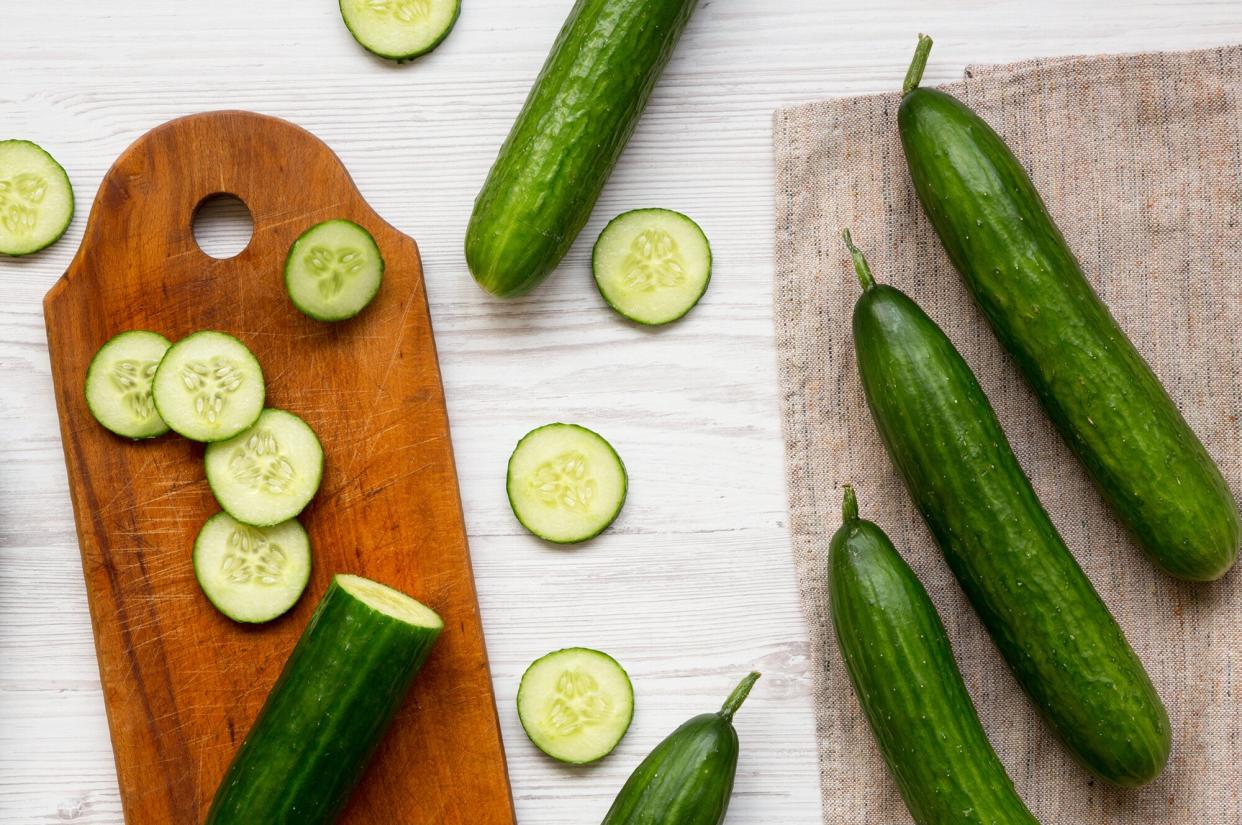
<point x="181" y="682"/>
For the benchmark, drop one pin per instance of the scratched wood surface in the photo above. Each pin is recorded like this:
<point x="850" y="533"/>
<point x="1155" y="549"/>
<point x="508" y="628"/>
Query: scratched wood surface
<point x="182" y="683"/>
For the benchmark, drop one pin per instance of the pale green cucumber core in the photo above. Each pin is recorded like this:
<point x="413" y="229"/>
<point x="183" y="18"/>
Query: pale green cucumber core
<point x="268" y="473"/>
<point x="118" y="384"/>
<point x="576" y="704"/>
<point x="333" y="270"/>
<point x="652" y="265"/>
<point x="209" y="387"/>
<point x="252" y="574"/>
<point x="36" y="198"/>
<point x="390" y="602"/>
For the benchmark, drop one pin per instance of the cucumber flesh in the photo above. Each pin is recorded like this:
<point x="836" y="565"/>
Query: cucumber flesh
<point x="208" y="387"/>
<point x="268" y="473"/>
<point x="333" y="271"/>
<point x="36" y="198"/>
<point x="576" y="704"/>
<point x="652" y="265"/>
<point x="118" y="384"/>
<point x="400" y="29"/>
<point x="252" y="574"/>
<point x="566" y="484"/>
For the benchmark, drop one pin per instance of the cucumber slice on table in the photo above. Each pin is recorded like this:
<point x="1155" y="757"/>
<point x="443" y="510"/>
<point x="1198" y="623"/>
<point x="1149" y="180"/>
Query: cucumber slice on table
<point x="118" y="384"/>
<point x="329" y="708"/>
<point x="252" y="574"/>
<point x="36" y="198"/>
<point x="209" y="387"/>
<point x="566" y="484"/>
<point x="652" y="265"/>
<point x="268" y="473"/>
<point x="333" y="270"/>
<point x="576" y="704"/>
<point x="400" y="29"/>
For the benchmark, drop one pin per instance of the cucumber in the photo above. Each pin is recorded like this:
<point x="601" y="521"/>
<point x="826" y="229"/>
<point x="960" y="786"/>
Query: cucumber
<point x="333" y="270"/>
<point x="208" y="387"/>
<point x="36" y="198"/>
<point x="575" y="123"/>
<point x="565" y="483"/>
<point x="902" y="668"/>
<point x="118" y="384"/>
<point x="329" y="708"/>
<point x="1054" y="632"/>
<point x="268" y="473"/>
<point x="688" y="778"/>
<point x="1095" y="386"/>
<point x="252" y="574"/>
<point x="575" y="704"/>
<point x="652" y="265"/>
<point x="400" y="29"/>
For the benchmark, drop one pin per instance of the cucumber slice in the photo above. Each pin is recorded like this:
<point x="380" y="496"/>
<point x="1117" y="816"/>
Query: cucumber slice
<point x="566" y="484"/>
<point x="576" y="704"/>
<point x="118" y="384"/>
<point x="36" y="198"/>
<point x="652" y="265"/>
<point x="400" y="29"/>
<point x="209" y="387"/>
<point x="268" y="473"/>
<point x="333" y="270"/>
<point x="252" y="574"/>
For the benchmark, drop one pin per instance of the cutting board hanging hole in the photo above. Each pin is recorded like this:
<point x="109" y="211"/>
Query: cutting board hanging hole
<point x="222" y="225"/>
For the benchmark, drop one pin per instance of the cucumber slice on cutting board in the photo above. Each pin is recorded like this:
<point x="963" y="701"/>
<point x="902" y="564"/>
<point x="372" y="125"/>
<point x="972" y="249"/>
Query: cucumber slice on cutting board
<point x="209" y="387"/>
<point x="576" y="704"/>
<point x="268" y="473"/>
<point x="652" y="265"/>
<point x="36" y="198"/>
<point x="252" y="574"/>
<point x="333" y="270"/>
<point x="400" y="29"/>
<point x="566" y="484"/>
<point x="118" y="384"/>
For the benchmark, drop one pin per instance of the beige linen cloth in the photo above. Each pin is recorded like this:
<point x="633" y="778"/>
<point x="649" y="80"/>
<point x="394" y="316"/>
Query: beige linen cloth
<point x="1139" y="159"/>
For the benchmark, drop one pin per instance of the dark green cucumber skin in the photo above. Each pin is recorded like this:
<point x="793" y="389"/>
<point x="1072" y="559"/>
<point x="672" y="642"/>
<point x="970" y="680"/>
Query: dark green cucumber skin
<point x="576" y="121"/>
<point x="910" y="689"/>
<point x="1054" y="632"/>
<point x="324" y="717"/>
<point x="1095" y="386"/>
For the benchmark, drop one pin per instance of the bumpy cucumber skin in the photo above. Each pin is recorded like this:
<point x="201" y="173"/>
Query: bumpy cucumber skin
<point x="72" y="204"/>
<point x="1095" y="386"/>
<point x="911" y="691"/>
<point x="1056" y="635"/>
<point x="403" y="57"/>
<point x="324" y="717"/>
<point x="291" y="263"/>
<point x="571" y="131"/>
<point x="572" y="650"/>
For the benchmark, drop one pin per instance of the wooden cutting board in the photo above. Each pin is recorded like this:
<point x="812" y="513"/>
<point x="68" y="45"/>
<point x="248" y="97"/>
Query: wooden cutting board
<point x="182" y="683"/>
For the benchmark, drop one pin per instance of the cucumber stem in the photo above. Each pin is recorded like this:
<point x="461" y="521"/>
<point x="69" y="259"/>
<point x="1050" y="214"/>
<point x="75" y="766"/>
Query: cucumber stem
<point x="849" y="505"/>
<point x="860" y="263"/>
<point x="915" y="73"/>
<point x="738" y="696"/>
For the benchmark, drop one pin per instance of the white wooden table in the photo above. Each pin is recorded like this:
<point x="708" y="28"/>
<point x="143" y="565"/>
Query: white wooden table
<point x="694" y="585"/>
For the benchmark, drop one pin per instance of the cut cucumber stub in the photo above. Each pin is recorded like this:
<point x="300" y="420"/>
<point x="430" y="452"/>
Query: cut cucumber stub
<point x="252" y="574"/>
<point x="652" y="265"/>
<point x="576" y="704"/>
<point x="118" y="384"/>
<point x="333" y="270"/>
<point x="400" y="29"/>
<point x="566" y="484"/>
<point x="209" y="387"/>
<point x="36" y="198"/>
<point x="268" y="473"/>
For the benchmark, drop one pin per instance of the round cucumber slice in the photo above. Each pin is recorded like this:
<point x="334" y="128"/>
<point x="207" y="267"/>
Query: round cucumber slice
<point x="36" y="198"/>
<point x="566" y="484"/>
<point x="268" y="473"/>
<point x="333" y="270"/>
<point x="208" y="387"/>
<point x="576" y="704"/>
<point x="652" y="265"/>
<point x="400" y="29"/>
<point x="118" y="384"/>
<point x="252" y="574"/>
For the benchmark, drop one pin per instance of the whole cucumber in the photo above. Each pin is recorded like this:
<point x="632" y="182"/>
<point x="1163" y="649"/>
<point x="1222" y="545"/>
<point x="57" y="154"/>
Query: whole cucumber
<point x="576" y="121"/>
<point x="1095" y="386"/>
<point x="1054" y="632"/>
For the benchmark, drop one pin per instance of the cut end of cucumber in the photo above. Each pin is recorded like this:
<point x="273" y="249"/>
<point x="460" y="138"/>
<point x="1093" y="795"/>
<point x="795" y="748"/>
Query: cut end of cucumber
<point x="390" y="602"/>
<point x="268" y="473"/>
<point x="652" y="265"/>
<point x="576" y="704"/>
<point x="333" y="271"/>
<point x="252" y="574"/>
<point x="118" y="384"/>
<point x="400" y="29"/>
<point x="36" y="198"/>
<point x="209" y="387"/>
